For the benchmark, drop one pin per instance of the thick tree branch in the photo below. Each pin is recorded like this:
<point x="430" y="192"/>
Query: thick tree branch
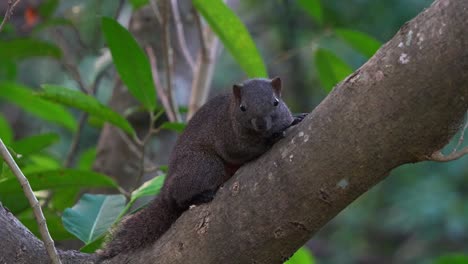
<point x="400" y="107"/>
<point x="18" y="245"/>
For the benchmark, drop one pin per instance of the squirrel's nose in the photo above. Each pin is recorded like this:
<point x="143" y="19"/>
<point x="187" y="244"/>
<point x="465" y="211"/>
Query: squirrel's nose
<point x="261" y="124"/>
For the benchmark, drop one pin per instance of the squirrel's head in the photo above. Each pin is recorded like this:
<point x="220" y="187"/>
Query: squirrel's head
<point x="259" y="107"/>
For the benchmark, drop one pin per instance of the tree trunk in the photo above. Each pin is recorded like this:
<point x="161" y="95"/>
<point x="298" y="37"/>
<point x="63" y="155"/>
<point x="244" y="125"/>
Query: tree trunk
<point x="404" y="104"/>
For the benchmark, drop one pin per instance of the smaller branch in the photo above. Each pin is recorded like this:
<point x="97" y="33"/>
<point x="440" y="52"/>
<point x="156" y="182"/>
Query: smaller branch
<point x="66" y="62"/>
<point x="9" y="12"/>
<point x="40" y="219"/>
<point x="454" y="155"/>
<point x="203" y="75"/>
<point x="180" y="34"/>
<point x="157" y="14"/>
<point x="201" y="35"/>
<point x="168" y="58"/>
<point x="462" y="135"/>
<point x="438" y="156"/>
<point x="76" y="139"/>
<point x="159" y="89"/>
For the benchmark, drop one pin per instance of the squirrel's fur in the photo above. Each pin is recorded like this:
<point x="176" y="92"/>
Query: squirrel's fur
<point x="228" y="131"/>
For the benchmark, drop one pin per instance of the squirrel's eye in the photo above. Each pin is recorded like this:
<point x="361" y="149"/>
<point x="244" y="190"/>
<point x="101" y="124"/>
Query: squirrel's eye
<point x="276" y="102"/>
<point x="242" y="108"/>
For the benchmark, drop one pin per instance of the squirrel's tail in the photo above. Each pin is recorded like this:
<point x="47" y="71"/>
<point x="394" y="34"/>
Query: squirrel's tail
<point x="142" y="228"/>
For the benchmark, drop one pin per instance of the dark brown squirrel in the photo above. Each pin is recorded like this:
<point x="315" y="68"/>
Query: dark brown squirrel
<point x="228" y="131"/>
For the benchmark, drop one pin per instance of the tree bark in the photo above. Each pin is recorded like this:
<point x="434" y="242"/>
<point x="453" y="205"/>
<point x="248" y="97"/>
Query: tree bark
<point x="18" y="245"/>
<point x="404" y="104"/>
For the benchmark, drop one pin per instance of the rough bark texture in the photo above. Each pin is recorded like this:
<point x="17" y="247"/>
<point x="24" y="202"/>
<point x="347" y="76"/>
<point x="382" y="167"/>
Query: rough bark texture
<point x="402" y="105"/>
<point x="18" y="245"/>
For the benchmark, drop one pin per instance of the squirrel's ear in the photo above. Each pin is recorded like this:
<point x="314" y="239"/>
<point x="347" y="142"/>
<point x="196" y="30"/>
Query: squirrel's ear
<point x="276" y="84"/>
<point x="236" y="90"/>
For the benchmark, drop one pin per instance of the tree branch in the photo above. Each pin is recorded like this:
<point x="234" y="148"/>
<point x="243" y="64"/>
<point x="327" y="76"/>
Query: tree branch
<point x="38" y="215"/>
<point x="402" y="105"/>
<point x="9" y="12"/>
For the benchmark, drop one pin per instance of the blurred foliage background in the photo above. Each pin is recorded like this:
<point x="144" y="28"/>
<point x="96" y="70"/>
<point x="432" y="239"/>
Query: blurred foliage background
<point x="417" y="215"/>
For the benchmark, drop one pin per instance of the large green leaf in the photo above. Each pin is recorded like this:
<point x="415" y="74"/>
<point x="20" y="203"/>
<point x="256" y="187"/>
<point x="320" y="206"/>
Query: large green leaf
<point x="302" y="256"/>
<point x="86" y="103"/>
<point x="93" y="215"/>
<point x="313" y="8"/>
<point x="331" y="69"/>
<point x="233" y="34"/>
<point x="25" y="48"/>
<point x="24" y="98"/>
<point x="56" y="179"/>
<point x="6" y="133"/>
<point x="131" y="62"/>
<point x="360" y="41"/>
<point x="151" y="187"/>
<point x="33" y="144"/>
<point x="86" y="159"/>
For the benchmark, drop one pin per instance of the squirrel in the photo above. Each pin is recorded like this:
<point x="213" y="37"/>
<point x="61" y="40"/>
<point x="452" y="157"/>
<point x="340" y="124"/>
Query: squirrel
<point x="228" y="131"/>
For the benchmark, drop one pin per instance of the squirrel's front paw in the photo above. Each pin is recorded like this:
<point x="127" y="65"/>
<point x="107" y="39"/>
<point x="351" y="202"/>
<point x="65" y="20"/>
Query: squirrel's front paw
<point x="298" y="118"/>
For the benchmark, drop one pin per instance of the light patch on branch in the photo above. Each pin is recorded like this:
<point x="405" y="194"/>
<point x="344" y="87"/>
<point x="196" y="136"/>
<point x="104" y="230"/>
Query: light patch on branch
<point x="439" y="156"/>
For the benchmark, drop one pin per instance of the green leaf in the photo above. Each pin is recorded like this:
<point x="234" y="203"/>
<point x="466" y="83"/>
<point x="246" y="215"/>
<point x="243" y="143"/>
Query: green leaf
<point x="131" y="62"/>
<point x="313" y="8"/>
<point x="33" y="144"/>
<point x="7" y="69"/>
<point x="15" y="202"/>
<point x="360" y="41"/>
<point x="234" y="35"/>
<point x="331" y="69"/>
<point x="138" y="3"/>
<point x="6" y="133"/>
<point x="18" y="49"/>
<point x="151" y="187"/>
<point x="47" y="8"/>
<point x="64" y="198"/>
<point x="302" y="256"/>
<point x="45" y="162"/>
<point x="93" y="215"/>
<point x="453" y="258"/>
<point x="86" y="103"/>
<point x="174" y="126"/>
<point x="54" y="224"/>
<point x="24" y="98"/>
<point x="93" y="246"/>
<point x="86" y="159"/>
<point x="56" y="179"/>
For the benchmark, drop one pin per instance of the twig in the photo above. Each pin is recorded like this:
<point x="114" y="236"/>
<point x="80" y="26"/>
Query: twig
<point x="76" y="139"/>
<point x="159" y="89"/>
<point x="40" y="219"/>
<point x="438" y="156"/>
<point x="454" y="155"/>
<point x="9" y="12"/>
<point x="201" y="35"/>
<point x="66" y="62"/>
<point x="168" y="58"/>
<point x="180" y="34"/>
<point x="157" y="14"/>
<point x="204" y="72"/>
<point x="462" y="135"/>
